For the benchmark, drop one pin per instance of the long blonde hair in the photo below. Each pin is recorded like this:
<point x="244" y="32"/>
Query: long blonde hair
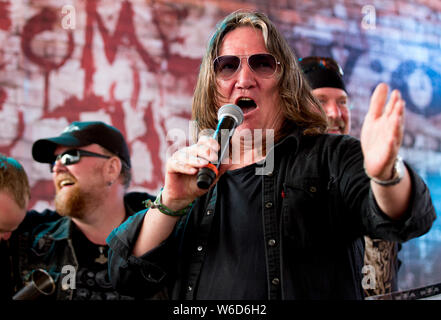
<point x="300" y="108"/>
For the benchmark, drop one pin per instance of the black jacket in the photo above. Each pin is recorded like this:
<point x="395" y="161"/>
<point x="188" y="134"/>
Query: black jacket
<point x="44" y="240"/>
<point x="317" y="205"/>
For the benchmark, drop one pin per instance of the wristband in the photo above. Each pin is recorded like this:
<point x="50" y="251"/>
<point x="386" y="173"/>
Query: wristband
<point x="398" y="174"/>
<point x="157" y="204"/>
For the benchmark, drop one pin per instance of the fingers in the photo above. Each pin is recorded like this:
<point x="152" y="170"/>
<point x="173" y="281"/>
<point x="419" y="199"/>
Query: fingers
<point x="395" y="111"/>
<point x="393" y="103"/>
<point x="378" y="100"/>
<point x="185" y="163"/>
<point x="207" y="148"/>
<point x="397" y="114"/>
<point x="188" y="160"/>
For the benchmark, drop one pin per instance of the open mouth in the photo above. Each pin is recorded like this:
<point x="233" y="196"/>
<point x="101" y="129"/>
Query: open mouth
<point x="65" y="183"/>
<point x="246" y="104"/>
<point x="336" y="126"/>
<point x="335" y="130"/>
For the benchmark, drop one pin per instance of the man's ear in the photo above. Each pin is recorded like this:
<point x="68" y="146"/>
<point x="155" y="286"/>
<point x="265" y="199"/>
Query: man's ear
<point x="112" y="169"/>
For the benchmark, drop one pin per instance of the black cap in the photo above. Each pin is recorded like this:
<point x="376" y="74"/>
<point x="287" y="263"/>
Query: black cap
<point x="80" y="134"/>
<point x="321" y="72"/>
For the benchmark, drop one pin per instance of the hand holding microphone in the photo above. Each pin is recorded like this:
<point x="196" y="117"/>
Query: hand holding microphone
<point x="229" y="117"/>
<point x="185" y="167"/>
<point x="192" y="164"/>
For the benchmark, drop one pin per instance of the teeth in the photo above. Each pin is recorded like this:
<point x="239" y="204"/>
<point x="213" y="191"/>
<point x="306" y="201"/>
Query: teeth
<point x="65" y="183"/>
<point x="246" y="103"/>
<point x="244" y="100"/>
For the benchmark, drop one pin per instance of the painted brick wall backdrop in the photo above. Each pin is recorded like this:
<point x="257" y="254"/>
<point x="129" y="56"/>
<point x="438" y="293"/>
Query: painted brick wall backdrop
<point x="134" y="63"/>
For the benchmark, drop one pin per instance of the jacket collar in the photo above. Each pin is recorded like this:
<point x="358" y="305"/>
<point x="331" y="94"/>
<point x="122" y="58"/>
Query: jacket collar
<point x="63" y="227"/>
<point x="292" y="139"/>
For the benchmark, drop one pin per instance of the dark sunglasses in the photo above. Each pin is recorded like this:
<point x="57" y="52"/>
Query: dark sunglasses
<point x="309" y="64"/>
<point x="262" y="64"/>
<point x="73" y="156"/>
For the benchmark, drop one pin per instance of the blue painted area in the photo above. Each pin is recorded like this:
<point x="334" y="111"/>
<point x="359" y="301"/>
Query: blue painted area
<point x="421" y="257"/>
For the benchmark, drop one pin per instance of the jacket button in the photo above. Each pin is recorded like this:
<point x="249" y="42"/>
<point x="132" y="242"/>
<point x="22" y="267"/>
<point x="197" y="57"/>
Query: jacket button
<point x="275" y="281"/>
<point x="271" y="242"/>
<point x="199" y="248"/>
<point x="268" y="205"/>
<point x="209" y="212"/>
<point x="312" y="189"/>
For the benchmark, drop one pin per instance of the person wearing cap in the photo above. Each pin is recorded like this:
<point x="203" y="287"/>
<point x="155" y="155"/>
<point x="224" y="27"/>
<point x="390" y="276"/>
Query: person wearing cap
<point x="325" y="76"/>
<point x="14" y="199"/>
<point x="91" y="170"/>
<point x="290" y="230"/>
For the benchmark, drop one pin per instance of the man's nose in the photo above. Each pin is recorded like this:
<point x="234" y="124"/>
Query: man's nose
<point x="332" y="110"/>
<point x="58" y="166"/>
<point x="245" y="76"/>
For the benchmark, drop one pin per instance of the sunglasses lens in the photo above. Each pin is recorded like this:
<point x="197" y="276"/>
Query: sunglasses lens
<point x="226" y="66"/>
<point x="70" y="157"/>
<point x="263" y="64"/>
<point x="66" y="158"/>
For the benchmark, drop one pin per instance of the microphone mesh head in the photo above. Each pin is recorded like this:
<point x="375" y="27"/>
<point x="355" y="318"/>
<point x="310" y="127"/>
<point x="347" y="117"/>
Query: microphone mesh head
<point x="232" y="111"/>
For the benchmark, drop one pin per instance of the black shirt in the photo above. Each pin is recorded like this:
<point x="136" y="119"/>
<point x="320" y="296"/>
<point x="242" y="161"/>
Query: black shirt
<point x="235" y="263"/>
<point x="92" y="279"/>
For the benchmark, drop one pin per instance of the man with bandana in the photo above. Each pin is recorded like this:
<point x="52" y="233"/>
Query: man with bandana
<point x="325" y="76"/>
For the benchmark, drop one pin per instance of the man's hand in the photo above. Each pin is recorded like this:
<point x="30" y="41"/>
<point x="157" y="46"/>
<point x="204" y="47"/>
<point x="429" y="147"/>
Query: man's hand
<point x="381" y="137"/>
<point x="181" y="172"/>
<point x="382" y="132"/>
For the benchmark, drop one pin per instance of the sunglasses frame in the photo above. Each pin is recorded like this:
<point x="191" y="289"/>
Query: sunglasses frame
<point x="241" y="57"/>
<point x="314" y="63"/>
<point x="76" y="158"/>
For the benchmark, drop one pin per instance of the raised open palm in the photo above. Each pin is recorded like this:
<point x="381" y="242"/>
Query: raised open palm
<point x="382" y="132"/>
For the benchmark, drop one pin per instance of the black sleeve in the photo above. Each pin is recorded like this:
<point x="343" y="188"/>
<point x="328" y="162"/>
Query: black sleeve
<point x="416" y="221"/>
<point x="359" y="197"/>
<point x="142" y="276"/>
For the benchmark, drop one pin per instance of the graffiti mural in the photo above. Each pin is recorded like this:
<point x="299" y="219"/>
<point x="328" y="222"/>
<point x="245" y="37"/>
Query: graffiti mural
<point x="134" y="63"/>
<point x="132" y="75"/>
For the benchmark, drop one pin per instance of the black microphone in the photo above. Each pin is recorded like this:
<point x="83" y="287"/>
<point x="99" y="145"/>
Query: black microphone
<point x="229" y="117"/>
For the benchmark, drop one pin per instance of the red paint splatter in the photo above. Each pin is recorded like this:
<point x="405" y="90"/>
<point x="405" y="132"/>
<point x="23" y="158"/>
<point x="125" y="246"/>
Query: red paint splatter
<point x="43" y="21"/>
<point x="124" y="34"/>
<point x="124" y="30"/>
<point x="152" y="140"/>
<point x="5" y="21"/>
<point x="20" y="131"/>
<point x="136" y="87"/>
